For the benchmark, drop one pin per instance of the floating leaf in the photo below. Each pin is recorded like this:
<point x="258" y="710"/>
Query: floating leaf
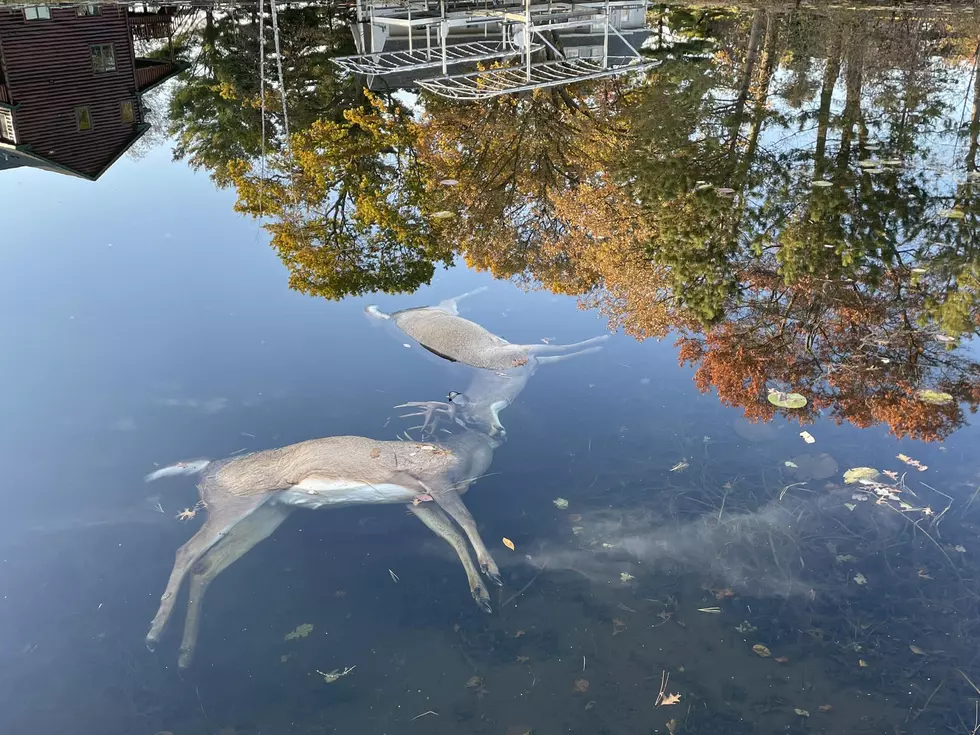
<point x="301" y="631"/>
<point x="781" y="659"/>
<point x="508" y="543"/>
<point x="919" y="271"/>
<point x="936" y="397"/>
<point x="680" y="466"/>
<point x="669" y="699"/>
<point x="807" y="437"/>
<point x="725" y="191"/>
<point x="916" y="650"/>
<point x="960" y="548"/>
<point x="711" y="610"/>
<point x="912" y="462"/>
<point x="825" y="707"/>
<point x="791" y="465"/>
<point x="860" y="578"/>
<point x="581" y="686"/>
<point x="560" y="503"/>
<point x="856" y="474"/>
<point x="801" y="712"/>
<point x="891" y="474"/>
<point x="820" y="183"/>
<point x="761" y="650"/>
<point x="449" y="182"/>
<point x="786" y="400"/>
<point x="626" y="577"/>
<point x="443" y="214"/>
<point x="952" y="213"/>
<point x="850" y="506"/>
<point x="841" y="558"/>
<point x="473" y="682"/>
<point x="862" y="663"/>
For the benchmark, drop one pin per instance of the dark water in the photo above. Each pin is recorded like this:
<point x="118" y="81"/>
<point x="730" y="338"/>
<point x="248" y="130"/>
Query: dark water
<point x="192" y="299"/>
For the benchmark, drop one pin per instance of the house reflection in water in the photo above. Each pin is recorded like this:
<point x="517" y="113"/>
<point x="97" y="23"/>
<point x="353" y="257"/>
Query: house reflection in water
<point x="70" y="85"/>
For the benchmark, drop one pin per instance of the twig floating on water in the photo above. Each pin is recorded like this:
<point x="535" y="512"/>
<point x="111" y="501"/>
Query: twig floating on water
<point x="430" y="712"/>
<point x="523" y="589"/>
<point x="393" y="575"/>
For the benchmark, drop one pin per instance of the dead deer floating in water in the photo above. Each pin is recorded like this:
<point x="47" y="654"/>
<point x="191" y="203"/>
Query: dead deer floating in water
<point x="441" y="330"/>
<point x="248" y="497"/>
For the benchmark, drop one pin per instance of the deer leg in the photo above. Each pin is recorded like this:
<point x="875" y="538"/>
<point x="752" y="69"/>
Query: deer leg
<point x="449" y="500"/>
<point x="450" y="304"/>
<point x="238" y="542"/>
<point x="440" y="524"/>
<point x="223" y="514"/>
<point x="548" y="359"/>
<point x="551" y="349"/>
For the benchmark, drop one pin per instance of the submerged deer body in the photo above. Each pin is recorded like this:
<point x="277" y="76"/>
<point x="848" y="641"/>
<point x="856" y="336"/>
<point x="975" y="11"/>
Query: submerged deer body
<point x="441" y="330"/>
<point x="248" y="497"/>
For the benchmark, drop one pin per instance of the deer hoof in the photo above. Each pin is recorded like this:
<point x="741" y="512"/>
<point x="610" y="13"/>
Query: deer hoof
<point x="489" y="567"/>
<point x="482" y="598"/>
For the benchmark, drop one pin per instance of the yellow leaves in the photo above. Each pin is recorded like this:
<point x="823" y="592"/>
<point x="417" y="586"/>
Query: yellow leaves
<point x="761" y="650"/>
<point x="912" y="462"/>
<point x="857" y="474"/>
<point x="669" y="699"/>
<point x="508" y="543"/>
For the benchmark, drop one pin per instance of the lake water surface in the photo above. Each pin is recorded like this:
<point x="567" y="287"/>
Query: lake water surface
<point x="788" y="203"/>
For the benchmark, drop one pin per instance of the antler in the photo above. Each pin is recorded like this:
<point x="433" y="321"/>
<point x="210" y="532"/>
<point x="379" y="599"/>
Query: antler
<point x="430" y="410"/>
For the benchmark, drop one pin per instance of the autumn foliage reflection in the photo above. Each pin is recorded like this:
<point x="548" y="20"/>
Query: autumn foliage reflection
<point x="790" y="196"/>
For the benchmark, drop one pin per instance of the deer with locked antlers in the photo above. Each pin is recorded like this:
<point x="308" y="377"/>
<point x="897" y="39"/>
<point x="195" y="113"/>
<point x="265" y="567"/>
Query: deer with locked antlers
<point x="248" y="497"/>
<point x="441" y="330"/>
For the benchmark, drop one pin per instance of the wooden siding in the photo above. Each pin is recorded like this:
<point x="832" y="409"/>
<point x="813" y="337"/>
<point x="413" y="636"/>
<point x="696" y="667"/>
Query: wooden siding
<point x="48" y="70"/>
<point x="4" y="94"/>
<point x="147" y="26"/>
<point x="149" y="74"/>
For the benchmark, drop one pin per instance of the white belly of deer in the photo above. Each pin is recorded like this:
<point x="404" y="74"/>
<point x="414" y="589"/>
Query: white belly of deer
<point x="317" y="493"/>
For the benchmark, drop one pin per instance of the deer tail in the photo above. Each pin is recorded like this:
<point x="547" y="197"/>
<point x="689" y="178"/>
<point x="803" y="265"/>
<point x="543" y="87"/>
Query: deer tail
<point x="192" y="467"/>
<point x="376" y="313"/>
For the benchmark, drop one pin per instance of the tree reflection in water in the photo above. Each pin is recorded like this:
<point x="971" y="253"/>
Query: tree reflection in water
<point x="791" y="194"/>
